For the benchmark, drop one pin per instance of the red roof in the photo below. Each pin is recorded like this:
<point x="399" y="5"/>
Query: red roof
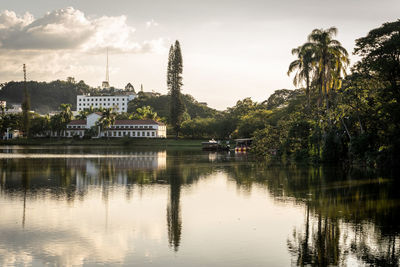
<point x="137" y="122"/>
<point x="121" y="122"/>
<point x="77" y="122"/>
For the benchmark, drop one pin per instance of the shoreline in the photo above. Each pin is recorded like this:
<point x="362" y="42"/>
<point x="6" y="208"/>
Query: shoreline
<point x="142" y="142"/>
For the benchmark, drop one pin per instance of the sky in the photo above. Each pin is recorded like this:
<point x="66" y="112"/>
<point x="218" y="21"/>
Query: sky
<point x="232" y="49"/>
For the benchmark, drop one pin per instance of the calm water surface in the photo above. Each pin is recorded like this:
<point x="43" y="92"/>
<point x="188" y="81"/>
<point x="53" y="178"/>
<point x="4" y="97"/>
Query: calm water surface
<point x="87" y="206"/>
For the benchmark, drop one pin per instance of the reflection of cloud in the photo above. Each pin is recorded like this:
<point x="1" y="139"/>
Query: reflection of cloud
<point x="53" y="237"/>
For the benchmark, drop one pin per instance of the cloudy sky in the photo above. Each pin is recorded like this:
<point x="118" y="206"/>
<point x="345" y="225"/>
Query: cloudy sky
<point x="232" y="49"/>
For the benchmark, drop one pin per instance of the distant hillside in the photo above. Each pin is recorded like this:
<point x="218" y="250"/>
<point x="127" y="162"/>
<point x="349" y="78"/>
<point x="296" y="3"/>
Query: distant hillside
<point x="160" y="104"/>
<point x="44" y="96"/>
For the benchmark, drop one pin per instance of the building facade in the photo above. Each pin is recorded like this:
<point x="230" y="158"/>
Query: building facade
<point x="118" y="102"/>
<point x="121" y="128"/>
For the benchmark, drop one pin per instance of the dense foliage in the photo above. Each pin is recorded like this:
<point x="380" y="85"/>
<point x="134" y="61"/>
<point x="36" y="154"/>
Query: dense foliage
<point x="44" y="97"/>
<point x="335" y="116"/>
<point x="160" y="104"/>
<point x="338" y="117"/>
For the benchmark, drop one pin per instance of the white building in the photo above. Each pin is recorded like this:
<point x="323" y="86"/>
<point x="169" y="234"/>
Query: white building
<point x="118" y="102"/>
<point x="121" y="128"/>
<point x="16" y="108"/>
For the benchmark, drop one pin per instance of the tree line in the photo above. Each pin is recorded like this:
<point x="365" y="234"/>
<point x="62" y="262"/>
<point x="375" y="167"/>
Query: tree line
<point x="334" y="116"/>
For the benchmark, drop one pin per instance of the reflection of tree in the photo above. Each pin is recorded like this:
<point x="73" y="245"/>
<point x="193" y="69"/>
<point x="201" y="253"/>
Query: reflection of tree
<point x="338" y="203"/>
<point x="174" y="220"/>
<point x="386" y="253"/>
<point x="25" y="185"/>
<point x="302" y="249"/>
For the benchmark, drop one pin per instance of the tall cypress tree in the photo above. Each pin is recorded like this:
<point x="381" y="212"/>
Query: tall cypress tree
<point x="26" y="106"/>
<point x="174" y="83"/>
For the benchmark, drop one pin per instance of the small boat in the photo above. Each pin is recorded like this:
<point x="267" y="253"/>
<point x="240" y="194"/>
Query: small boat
<point x="213" y="145"/>
<point x="210" y="145"/>
<point x="243" y="145"/>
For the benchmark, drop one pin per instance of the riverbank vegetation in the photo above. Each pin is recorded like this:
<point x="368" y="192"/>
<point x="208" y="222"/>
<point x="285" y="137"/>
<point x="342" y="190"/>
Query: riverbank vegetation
<point x="337" y="117"/>
<point x="334" y="116"/>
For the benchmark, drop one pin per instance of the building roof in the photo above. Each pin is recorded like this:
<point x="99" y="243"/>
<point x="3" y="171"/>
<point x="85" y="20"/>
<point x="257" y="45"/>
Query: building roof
<point x="77" y="122"/>
<point x="137" y="122"/>
<point x="121" y="122"/>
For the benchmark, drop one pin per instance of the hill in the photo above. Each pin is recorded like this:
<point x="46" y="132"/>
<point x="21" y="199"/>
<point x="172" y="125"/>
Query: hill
<point x="45" y="97"/>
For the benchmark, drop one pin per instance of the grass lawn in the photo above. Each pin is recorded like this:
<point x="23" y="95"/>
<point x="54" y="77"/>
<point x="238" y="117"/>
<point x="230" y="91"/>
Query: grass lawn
<point x="103" y="141"/>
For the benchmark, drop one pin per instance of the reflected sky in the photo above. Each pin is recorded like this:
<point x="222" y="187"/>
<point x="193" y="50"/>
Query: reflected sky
<point x="180" y="208"/>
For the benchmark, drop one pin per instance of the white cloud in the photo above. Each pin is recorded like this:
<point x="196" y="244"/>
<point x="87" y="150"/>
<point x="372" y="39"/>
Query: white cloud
<point x="151" y="23"/>
<point x="66" y="42"/>
<point x="69" y="29"/>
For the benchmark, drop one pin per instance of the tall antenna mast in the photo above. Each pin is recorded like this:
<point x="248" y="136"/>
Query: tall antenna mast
<point x="106" y="83"/>
<point x="107" y="76"/>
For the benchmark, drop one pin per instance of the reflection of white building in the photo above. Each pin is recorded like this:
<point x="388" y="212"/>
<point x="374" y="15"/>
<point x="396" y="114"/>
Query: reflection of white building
<point x="118" y="102"/>
<point x="121" y="128"/>
<point x="89" y="170"/>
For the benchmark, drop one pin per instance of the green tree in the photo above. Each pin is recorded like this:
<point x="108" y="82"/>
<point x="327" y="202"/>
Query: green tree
<point x="380" y="52"/>
<point x="107" y="119"/>
<point x="26" y="109"/>
<point x="330" y="57"/>
<point x="303" y="65"/>
<point x="174" y="83"/>
<point x="40" y="125"/>
<point x="66" y="113"/>
<point x="144" y="113"/>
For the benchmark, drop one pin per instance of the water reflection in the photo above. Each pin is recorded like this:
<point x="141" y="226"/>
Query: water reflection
<point x="174" y="220"/>
<point x="120" y="210"/>
<point x="350" y="216"/>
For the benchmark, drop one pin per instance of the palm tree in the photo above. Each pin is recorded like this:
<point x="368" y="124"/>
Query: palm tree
<point x="65" y="116"/>
<point x="107" y="119"/>
<point x="66" y="112"/>
<point x="331" y="58"/>
<point x="303" y="66"/>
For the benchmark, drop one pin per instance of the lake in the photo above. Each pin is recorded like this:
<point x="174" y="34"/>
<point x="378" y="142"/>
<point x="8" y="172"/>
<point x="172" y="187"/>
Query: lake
<point x="87" y="206"/>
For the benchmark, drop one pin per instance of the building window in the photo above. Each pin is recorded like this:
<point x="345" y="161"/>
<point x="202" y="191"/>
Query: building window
<point x="138" y="133"/>
<point x="152" y="134"/>
<point x="148" y="133"/>
<point x="133" y="133"/>
<point x="119" y="133"/>
<point x="143" y="134"/>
